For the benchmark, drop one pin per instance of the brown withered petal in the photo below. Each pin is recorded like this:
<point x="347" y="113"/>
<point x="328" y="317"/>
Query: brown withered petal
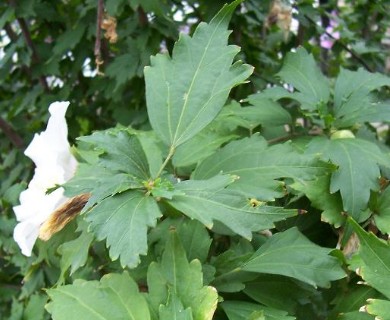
<point x="109" y="24"/>
<point x="62" y="216"/>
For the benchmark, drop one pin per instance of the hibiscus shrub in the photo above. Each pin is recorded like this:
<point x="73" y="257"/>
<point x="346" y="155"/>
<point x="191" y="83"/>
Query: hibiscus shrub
<point x="275" y="206"/>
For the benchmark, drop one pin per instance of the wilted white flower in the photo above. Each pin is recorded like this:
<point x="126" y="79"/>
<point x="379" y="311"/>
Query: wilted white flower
<point x="55" y="164"/>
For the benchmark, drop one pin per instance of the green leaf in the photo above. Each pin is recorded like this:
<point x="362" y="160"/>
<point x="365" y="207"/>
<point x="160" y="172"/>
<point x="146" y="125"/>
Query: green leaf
<point x="174" y="310"/>
<point x="352" y="100"/>
<point x="258" y="166"/>
<point x="122" y="152"/>
<point x="358" y="169"/>
<point x="356" y="315"/>
<point x="35" y="309"/>
<point x="208" y="200"/>
<point x="241" y="310"/>
<point x="300" y="70"/>
<point x="74" y="254"/>
<point x="374" y="255"/>
<point x="69" y="39"/>
<point x="278" y="292"/>
<point x="185" y="93"/>
<point x="382" y="212"/>
<point x="291" y="254"/>
<point x="379" y="308"/>
<point x="193" y="236"/>
<point x="176" y="276"/>
<point x="353" y="299"/>
<point x="100" y="182"/>
<point x="318" y="193"/>
<point x="265" y="112"/>
<point x="200" y="147"/>
<point x="116" y="296"/>
<point x="151" y="146"/>
<point x="123" y="220"/>
<point x="123" y="67"/>
<point x="228" y="274"/>
<point x="195" y="239"/>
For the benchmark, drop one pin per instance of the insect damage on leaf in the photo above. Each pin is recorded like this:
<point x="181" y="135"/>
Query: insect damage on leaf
<point x="62" y="216"/>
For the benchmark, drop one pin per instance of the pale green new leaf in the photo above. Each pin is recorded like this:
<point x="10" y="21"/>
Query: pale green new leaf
<point x="258" y="166"/>
<point x="358" y="169"/>
<point x="300" y="70"/>
<point x="242" y="310"/>
<point x="209" y="200"/>
<point x="123" y="220"/>
<point x="379" y="308"/>
<point x="116" y="296"/>
<point x="374" y="255"/>
<point x="291" y="254"/>
<point x="185" y="92"/>
<point x="352" y="100"/>
<point x="174" y="275"/>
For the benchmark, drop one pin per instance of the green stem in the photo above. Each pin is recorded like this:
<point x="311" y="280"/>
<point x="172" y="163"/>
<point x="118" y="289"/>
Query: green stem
<point x="169" y="156"/>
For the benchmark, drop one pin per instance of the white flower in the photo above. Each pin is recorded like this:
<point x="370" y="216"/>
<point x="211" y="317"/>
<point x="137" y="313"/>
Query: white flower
<point x="55" y="164"/>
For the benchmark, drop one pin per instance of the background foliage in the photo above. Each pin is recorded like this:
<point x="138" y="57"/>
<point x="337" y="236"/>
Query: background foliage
<point x="307" y="135"/>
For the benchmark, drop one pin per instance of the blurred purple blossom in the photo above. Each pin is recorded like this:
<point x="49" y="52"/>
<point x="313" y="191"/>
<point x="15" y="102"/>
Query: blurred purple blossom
<point x="331" y="34"/>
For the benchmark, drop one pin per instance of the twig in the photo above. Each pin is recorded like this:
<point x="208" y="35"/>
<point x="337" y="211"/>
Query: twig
<point x="98" y="41"/>
<point x="14" y="37"/>
<point x="11" y="134"/>
<point x="27" y="37"/>
<point x="345" y="47"/>
<point x="142" y="17"/>
<point x="282" y="139"/>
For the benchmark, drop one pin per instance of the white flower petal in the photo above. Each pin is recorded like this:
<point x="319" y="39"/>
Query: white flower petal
<point x="25" y="235"/>
<point x="55" y="164"/>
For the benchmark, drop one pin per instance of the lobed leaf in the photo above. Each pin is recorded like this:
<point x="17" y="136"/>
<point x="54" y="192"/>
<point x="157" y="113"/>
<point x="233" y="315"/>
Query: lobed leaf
<point x="318" y="193"/>
<point x="300" y="70"/>
<point x="379" y="308"/>
<point x="358" y="169"/>
<point x="185" y="93"/>
<point x="116" y="296"/>
<point x="242" y="310"/>
<point x="258" y="166"/>
<point x="209" y="200"/>
<point x="374" y="255"/>
<point x="122" y="152"/>
<point x="278" y="292"/>
<point x="178" y="284"/>
<point x="352" y="100"/>
<point x="74" y="253"/>
<point x="291" y="254"/>
<point x="382" y="212"/>
<point x="123" y="220"/>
